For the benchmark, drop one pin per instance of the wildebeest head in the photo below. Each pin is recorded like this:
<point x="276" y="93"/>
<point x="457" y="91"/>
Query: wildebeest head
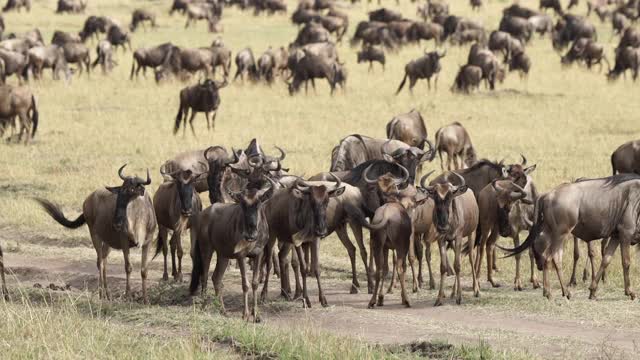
<point x="387" y="185"/>
<point x="443" y="195"/>
<point x="507" y="192"/>
<point x="434" y="58"/>
<point x="184" y="180"/>
<point x="250" y="201"/>
<point x="254" y="164"/>
<point x="131" y="188"/>
<point x="518" y="172"/>
<point x="218" y="160"/>
<point x="409" y="157"/>
<point x="310" y="206"/>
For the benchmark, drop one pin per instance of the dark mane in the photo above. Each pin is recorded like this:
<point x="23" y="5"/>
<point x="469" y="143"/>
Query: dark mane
<point x="381" y="167"/>
<point x="483" y="162"/>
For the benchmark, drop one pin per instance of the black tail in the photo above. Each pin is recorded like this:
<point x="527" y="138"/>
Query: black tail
<point x="357" y="215"/>
<point x="35" y="116"/>
<point x="196" y="272"/>
<point x="535" y="231"/>
<point x="159" y="246"/>
<point x="178" y="118"/>
<point x="613" y="165"/>
<point x="133" y="66"/>
<point x="402" y="83"/>
<point x="57" y="215"/>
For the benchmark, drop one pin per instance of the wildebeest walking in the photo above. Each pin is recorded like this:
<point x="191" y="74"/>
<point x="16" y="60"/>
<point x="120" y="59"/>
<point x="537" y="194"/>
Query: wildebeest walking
<point x="203" y="97"/>
<point x="425" y="67"/>
<point x="20" y="102"/>
<point x="139" y="17"/>
<point x="119" y="218"/>
<point x="150" y="57"/>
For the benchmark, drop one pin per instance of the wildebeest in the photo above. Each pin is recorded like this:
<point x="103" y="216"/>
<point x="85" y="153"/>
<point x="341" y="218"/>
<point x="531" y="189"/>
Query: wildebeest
<point x="20" y="45"/>
<point x="500" y="41"/>
<point x="371" y="53"/>
<point x="311" y="33"/>
<point x="14" y="63"/>
<point x="191" y="61"/>
<point x="468" y="36"/>
<point x="310" y="66"/>
<point x="519" y="11"/>
<point x="630" y="37"/>
<point x="454" y="140"/>
<point x="541" y="24"/>
<point x="175" y="202"/>
<point x="198" y="11"/>
<point x="52" y="57"/>
<point x="71" y="6"/>
<point x="232" y="231"/>
<point x="626" y="158"/>
<point x="517" y="27"/>
<point x="119" y="218"/>
<point x="627" y="58"/>
<point x="521" y="218"/>
<point x="203" y="97"/>
<point x="180" y="6"/>
<point x="104" y="56"/>
<point x="587" y="51"/>
<point x="408" y="128"/>
<point x="266" y="66"/>
<point x="302" y="16"/>
<point x="139" y="17"/>
<point x="488" y="62"/>
<point x="570" y="28"/>
<point x="94" y="25"/>
<point x="17" y="5"/>
<point x="552" y="4"/>
<point x="468" y="77"/>
<point x="521" y="62"/>
<point x="619" y="22"/>
<point x="425" y="31"/>
<point x="384" y="15"/>
<point x="246" y="64"/>
<point x="61" y="38"/>
<point x="220" y="57"/>
<point x="150" y="57"/>
<point x="333" y="24"/>
<point x="117" y="36"/>
<point x="424" y="67"/>
<point x="590" y="209"/>
<point x="20" y="102"/>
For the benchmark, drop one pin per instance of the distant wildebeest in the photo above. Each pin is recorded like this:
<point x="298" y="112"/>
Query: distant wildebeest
<point x="139" y="17"/>
<point x="333" y="24"/>
<point x="203" y="97"/>
<point x="61" y="38"/>
<point x="400" y="28"/>
<point x="521" y="218"/>
<point x="266" y="66"/>
<point x="17" y="5"/>
<point x="468" y="36"/>
<point x="619" y="22"/>
<point x="590" y="209"/>
<point x="220" y="57"/>
<point x="468" y="78"/>
<point x="49" y="57"/>
<point x="104" y="56"/>
<point x="585" y="50"/>
<point x="71" y="6"/>
<point x="181" y="61"/>
<point x="454" y="140"/>
<point x="198" y="11"/>
<point x="371" y="53"/>
<point x="20" y="102"/>
<point x="552" y="4"/>
<point x="492" y="71"/>
<point x="424" y="67"/>
<point x="626" y="158"/>
<point x="503" y="42"/>
<point x="541" y="24"/>
<point x="175" y="202"/>
<point x="94" y="25"/>
<point x="311" y="66"/>
<point x="425" y="31"/>
<point x="630" y="37"/>
<point x="150" y="57"/>
<point x="570" y="28"/>
<point x="519" y="11"/>
<point x="627" y="58"/>
<point x="455" y="216"/>
<point x="302" y="16"/>
<point x="517" y="27"/>
<point x="311" y="33"/>
<point x="14" y="64"/>
<point x="232" y="231"/>
<point x="20" y="45"/>
<point x="246" y="64"/>
<point x="475" y="4"/>
<point x="180" y="6"/>
<point x="520" y="62"/>
<point x="384" y="15"/>
<point x="119" y="218"/>
<point x="117" y="36"/>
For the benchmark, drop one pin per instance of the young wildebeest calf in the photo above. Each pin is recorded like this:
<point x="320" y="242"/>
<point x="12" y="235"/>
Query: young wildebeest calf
<point x="203" y="97"/>
<point x="371" y="53"/>
<point x="119" y="218"/>
<point x="424" y="67"/>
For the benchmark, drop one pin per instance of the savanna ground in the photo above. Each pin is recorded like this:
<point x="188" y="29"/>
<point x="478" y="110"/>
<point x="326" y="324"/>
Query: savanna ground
<point x="567" y="121"/>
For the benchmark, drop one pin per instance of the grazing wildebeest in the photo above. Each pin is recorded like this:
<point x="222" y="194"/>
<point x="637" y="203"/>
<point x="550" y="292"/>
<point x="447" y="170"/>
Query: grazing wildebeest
<point x="333" y="24"/>
<point x="408" y="128"/>
<point x="94" y="25"/>
<point x="521" y="218"/>
<point x="139" y="17"/>
<point x="198" y="11"/>
<point x="188" y="60"/>
<point x="71" y="6"/>
<point x="117" y="36"/>
<point x="455" y="216"/>
<point x="425" y="31"/>
<point x="14" y="63"/>
<point x="500" y="41"/>
<point x="299" y="210"/>
<point x="589" y="209"/>
<point x="233" y="231"/>
<point x="310" y="66"/>
<point x="246" y="64"/>
<point x="541" y="24"/>
<point x="627" y="58"/>
<point x="488" y="62"/>
<point x="424" y="67"/>
<point x="630" y="37"/>
<point x="626" y="158"/>
<point x="570" y="28"/>
<point x="20" y="101"/>
<point x="104" y="56"/>
<point x="119" y="218"/>
<point x="494" y="202"/>
<point x="520" y="62"/>
<point x="50" y="57"/>
<point x="150" y="57"/>
<point x="175" y="202"/>
<point x="17" y="5"/>
<point x="61" y="38"/>
<point x="587" y="51"/>
<point x="552" y="4"/>
<point x="454" y="140"/>
<point x="371" y="53"/>
<point x="203" y="97"/>
<point x="468" y="77"/>
<point x="384" y="15"/>
<point x="517" y="27"/>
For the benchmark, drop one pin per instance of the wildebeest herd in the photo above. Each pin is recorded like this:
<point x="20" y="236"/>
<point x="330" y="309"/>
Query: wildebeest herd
<point x="262" y="212"/>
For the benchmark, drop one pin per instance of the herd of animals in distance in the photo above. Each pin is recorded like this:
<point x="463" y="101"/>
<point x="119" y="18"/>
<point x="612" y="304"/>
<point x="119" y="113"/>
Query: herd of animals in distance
<point x="268" y="219"/>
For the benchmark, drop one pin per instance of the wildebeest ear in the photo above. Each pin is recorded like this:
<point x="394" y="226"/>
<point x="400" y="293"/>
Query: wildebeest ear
<point x="297" y="193"/>
<point x="388" y="158"/>
<point x="460" y="190"/>
<point x="337" y="192"/>
<point x="113" y="190"/>
<point x="530" y="169"/>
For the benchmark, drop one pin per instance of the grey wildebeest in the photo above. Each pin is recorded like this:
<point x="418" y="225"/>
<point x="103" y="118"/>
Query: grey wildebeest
<point x="77" y="53"/>
<point x="627" y="58"/>
<point x="150" y="57"/>
<point x="175" y="202"/>
<point x="589" y="209"/>
<point x="296" y="215"/>
<point x="384" y="15"/>
<point x="520" y="62"/>
<point x="17" y="5"/>
<point x="139" y="17"/>
<point x="626" y="158"/>
<point x="61" y="38"/>
<point x="517" y="27"/>
<point x="455" y="216"/>
<point x="203" y="97"/>
<point x="541" y="24"/>
<point x="246" y="64"/>
<point x="119" y="218"/>
<point x="503" y="42"/>
<point x="52" y="56"/>
<point x="492" y="71"/>
<point x="552" y="4"/>
<point x="454" y="140"/>
<point x="371" y="53"/>
<point x="20" y="102"/>
<point x="425" y="31"/>
<point x="198" y="11"/>
<point x="71" y="6"/>
<point x="587" y="51"/>
<point x="118" y="36"/>
<point x="191" y="61"/>
<point x="233" y="231"/>
<point x="14" y="63"/>
<point x="104" y="56"/>
<point x="310" y="66"/>
<point x="468" y="77"/>
<point x="519" y="11"/>
<point x="424" y="67"/>
<point x="570" y="28"/>
<point x="311" y="33"/>
<point x="408" y="128"/>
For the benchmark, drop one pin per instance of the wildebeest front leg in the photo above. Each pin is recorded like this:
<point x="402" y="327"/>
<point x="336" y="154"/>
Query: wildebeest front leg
<point x="315" y="265"/>
<point x="443" y="270"/>
<point x="175" y="239"/>
<point x="427" y="255"/>
<point x="3" y="288"/>
<point x="255" y="282"/>
<point x="377" y="254"/>
<point x="143" y="268"/>
<point x="162" y="238"/>
<point x="193" y="115"/>
<point x="457" y="268"/>
<point x="102" y="267"/>
<point x="216" y="278"/>
<point x="626" y="263"/>
<point x="351" y="251"/>
<point x="576" y="257"/>
<point x="245" y="287"/>
<point x="305" y="295"/>
<point x="206" y="115"/>
<point x="517" y="283"/>
<point x="612" y="245"/>
<point x="270" y="260"/>
<point x="127" y="267"/>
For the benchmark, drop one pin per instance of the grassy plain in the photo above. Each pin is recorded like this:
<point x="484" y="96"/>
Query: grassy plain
<point x="568" y="121"/>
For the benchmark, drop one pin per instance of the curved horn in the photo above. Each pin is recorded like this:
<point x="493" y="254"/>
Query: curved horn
<point x="431" y="151"/>
<point x="271" y="185"/>
<point x="462" y="181"/>
<point x="405" y="176"/>
<point x="233" y="159"/>
<point x="524" y="160"/>
<point x="424" y="179"/>
<point x="301" y="185"/>
<point x="365" y="175"/>
<point x="283" y="154"/>
<point x="338" y="181"/>
<point x="120" y="174"/>
<point x="148" y="182"/>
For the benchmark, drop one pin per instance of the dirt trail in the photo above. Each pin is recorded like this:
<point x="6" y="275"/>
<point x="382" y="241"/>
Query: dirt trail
<point x="392" y="324"/>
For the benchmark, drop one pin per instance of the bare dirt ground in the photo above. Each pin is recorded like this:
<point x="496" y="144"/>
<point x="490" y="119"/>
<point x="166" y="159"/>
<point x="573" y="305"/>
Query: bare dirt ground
<point x="539" y="335"/>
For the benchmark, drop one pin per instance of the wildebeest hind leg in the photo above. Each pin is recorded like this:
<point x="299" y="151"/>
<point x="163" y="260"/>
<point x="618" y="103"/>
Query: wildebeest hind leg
<point x="206" y="115"/>
<point x="534" y="278"/>
<point x="193" y="131"/>
<point x="576" y="257"/>
<point x="301" y="266"/>
<point x="612" y="245"/>
<point x="626" y="263"/>
<point x="315" y="265"/>
<point x="351" y="251"/>
<point x="557" y="263"/>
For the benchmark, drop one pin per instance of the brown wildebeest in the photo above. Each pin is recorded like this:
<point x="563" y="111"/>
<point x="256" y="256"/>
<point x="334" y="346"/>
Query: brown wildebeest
<point x="541" y="24"/>
<point x="119" y="218"/>
<point x="500" y="41"/>
<point x="139" y="17"/>
<point x="78" y="53"/>
<point x="494" y="204"/>
<point x="175" y="202"/>
<point x="619" y="22"/>
<point x="94" y="25"/>
<point x="518" y="27"/>
<point x="311" y="66"/>
<point x="570" y="28"/>
<point x="488" y="62"/>
<point x="187" y="60"/>
<point x="150" y="57"/>
<point x="61" y="38"/>
<point x="587" y="51"/>
<point x="521" y="62"/>
<point x="424" y="67"/>
<point x="455" y="216"/>
<point x="627" y="58"/>
<point x="246" y="64"/>
<point x="626" y="158"/>
<point x="52" y="56"/>
<point x="475" y="4"/>
<point x="203" y="97"/>
<point x="299" y="210"/>
<point x="335" y="25"/>
<point x="552" y="4"/>
<point x="198" y="11"/>
<point x="468" y="77"/>
<point x="71" y="6"/>
<point x="630" y="37"/>
<point x="104" y="57"/>
<point x="233" y="231"/>
<point x="371" y="53"/>
<point x="180" y="6"/>
<point x="14" y="63"/>
<point x="454" y="140"/>
<point x="221" y="57"/>
<point x="408" y="128"/>
<point x="311" y="33"/>
<point x="468" y="36"/>
<point x="384" y="15"/>
<point x="589" y="209"/>
<point x="20" y="101"/>
<point x="425" y="31"/>
<point x="17" y="5"/>
<point x="118" y="36"/>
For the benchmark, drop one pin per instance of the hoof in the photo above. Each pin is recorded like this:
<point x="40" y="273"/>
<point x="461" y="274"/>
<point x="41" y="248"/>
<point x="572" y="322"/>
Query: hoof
<point x="371" y="305"/>
<point x="632" y="295"/>
<point x="257" y="319"/>
<point x="286" y="295"/>
<point x="568" y="295"/>
<point x="323" y="301"/>
<point x="415" y="290"/>
<point x="380" y="300"/>
<point x="535" y="284"/>
<point x="406" y="303"/>
<point x="165" y="277"/>
<point x="476" y="294"/>
<point x="458" y="301"/>
<point x="495" y="285"/>
<point x="306" y="303"/>
<point x="517" y="288"/>
<point x="354" y="289"/>
<point x="438" y="302"/>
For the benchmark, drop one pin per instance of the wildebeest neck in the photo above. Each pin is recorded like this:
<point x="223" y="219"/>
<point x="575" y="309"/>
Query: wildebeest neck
<point x="120" y="217"/>
<point x="185" y="197"/>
